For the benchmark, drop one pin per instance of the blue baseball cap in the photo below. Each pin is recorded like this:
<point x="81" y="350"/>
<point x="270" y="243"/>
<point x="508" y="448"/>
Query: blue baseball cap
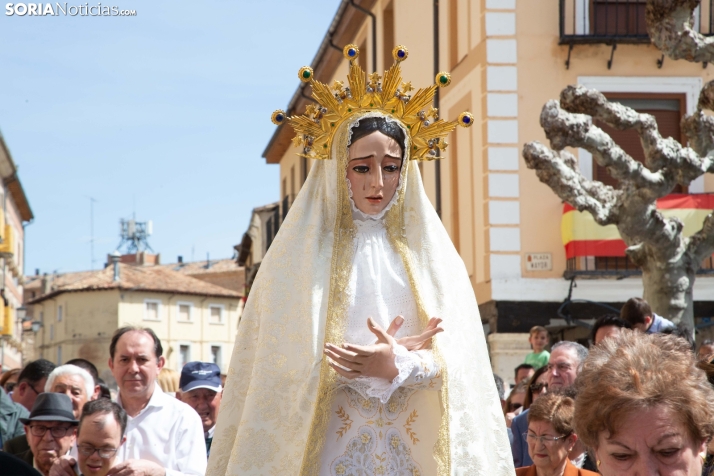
<point x="200" y="375"/>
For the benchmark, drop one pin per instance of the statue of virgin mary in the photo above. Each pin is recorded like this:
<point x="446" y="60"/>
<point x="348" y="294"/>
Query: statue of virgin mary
<point x="360" y="350"/>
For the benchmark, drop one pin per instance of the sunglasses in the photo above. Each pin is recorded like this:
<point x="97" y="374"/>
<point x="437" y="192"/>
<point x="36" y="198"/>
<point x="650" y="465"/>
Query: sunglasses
<point x="515" y="406"/>
<point x="539" y="387"/>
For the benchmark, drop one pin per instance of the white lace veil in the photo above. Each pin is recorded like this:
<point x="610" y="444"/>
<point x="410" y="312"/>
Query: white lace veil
<point x="276" y="403"/>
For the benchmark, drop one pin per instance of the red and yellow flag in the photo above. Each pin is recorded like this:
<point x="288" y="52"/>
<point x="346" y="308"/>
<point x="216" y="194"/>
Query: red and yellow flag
<point x="583" y="237"/>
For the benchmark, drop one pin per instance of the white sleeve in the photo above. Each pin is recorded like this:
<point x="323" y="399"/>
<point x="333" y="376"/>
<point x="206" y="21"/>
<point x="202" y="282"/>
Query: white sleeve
<point x="416" y="369"/>
<point x="190" y="457"/>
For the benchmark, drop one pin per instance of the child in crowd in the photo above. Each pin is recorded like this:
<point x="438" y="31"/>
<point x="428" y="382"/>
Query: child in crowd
<point x="539" y="340"/>
<point x="639" y="314"/>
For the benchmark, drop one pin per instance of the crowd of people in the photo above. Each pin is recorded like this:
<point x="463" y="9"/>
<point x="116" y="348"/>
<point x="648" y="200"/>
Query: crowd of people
<point x="639" y="400"/>
<point x="62" y="420"/>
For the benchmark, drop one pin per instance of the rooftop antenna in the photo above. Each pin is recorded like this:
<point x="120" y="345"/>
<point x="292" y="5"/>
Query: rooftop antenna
<point x="134" y="236"/>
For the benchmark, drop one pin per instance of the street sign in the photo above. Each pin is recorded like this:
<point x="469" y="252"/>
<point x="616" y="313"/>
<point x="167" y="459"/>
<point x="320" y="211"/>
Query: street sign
<point x="539" y="261"/>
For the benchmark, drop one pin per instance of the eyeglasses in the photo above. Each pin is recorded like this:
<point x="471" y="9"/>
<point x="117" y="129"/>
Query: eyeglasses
<point x="9" y="387"/>
<point x="539" y="387"/>
<point x="33" y="389"/>
<point x="56" y="431"/>
<point x="546" y="440"/>
<point x="89" y="450"/>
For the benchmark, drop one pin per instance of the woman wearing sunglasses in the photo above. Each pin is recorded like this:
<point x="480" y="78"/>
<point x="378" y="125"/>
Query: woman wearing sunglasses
<point x="537" y="385"/>
<point x="550" y="437"/>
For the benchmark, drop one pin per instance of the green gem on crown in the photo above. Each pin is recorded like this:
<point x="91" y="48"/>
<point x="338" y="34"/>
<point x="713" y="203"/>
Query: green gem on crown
<point x="306" y="74"/>
<point x="444" y="79"/>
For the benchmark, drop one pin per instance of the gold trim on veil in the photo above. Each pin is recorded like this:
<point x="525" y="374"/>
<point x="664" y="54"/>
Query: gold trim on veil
<point x="341" y="268"/>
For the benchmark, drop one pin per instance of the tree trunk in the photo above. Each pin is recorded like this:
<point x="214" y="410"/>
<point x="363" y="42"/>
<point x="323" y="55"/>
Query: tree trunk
<point x="668" y="290"/>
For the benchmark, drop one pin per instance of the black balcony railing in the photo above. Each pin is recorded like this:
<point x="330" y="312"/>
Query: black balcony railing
<point x="615" y="267"/>
<point x="616" y="21"/>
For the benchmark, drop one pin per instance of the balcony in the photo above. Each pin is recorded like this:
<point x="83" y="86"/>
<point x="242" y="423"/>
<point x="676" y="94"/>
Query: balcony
<point x="615" y="267"/>
<point x="615" y="21"/>
<point x="596" y="251"/>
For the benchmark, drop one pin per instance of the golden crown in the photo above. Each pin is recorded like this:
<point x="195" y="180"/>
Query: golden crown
<point x="389" y="95"/>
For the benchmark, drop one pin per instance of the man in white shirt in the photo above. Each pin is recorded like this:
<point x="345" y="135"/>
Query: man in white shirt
<point x="164" y="436"/>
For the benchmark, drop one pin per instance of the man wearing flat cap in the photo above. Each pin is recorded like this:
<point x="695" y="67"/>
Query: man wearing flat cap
<point x="201" y="389"/>
<point x="50" y="431"/>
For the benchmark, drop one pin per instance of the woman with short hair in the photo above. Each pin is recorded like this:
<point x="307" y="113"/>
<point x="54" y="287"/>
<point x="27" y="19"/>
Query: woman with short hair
<point x="551" y="437"/>
<point x="644" y="407"/>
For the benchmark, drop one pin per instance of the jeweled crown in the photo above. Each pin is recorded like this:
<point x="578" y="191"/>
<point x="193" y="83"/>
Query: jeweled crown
<point x="388" y="94"/>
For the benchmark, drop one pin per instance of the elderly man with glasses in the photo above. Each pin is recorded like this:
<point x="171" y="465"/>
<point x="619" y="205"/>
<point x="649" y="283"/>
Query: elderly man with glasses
<point x="564" y="364"/>
<point x="50" y="431"/>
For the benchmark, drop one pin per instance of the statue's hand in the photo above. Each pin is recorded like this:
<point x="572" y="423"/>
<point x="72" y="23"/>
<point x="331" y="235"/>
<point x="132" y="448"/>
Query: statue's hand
<point x="376" y="360"/>
<point x="417" y="342"/>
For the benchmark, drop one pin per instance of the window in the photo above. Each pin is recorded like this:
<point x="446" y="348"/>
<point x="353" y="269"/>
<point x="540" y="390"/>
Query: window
<point x="59" y="313"/>
<point x="184" y="355"/>
<point x="184" y="312"/>
<point x="215" y="314"/>
<point x="618" y="17"/>
<point x="59" y="355"/>
<point x="52" y="332"/>
<point x="216" y="354"/>
<point x="151" y="311"/>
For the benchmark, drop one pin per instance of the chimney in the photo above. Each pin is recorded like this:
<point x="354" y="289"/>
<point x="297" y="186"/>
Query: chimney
<point x="180" y="259"/>
<point x="45" y="288"/>
<point x="37" y="271"/>
<point x="115" y="259"/>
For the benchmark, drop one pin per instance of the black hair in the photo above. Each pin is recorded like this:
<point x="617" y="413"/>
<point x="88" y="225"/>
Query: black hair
<point x="104" y="391"/>
<point x="368" y="125"/>
<point x="86" y="365"/>
<point x="608" y="320"/>
<point x="158" y="348"/>
<point x="105" y="407"/>
<point x="36" y="371"/>
<point x="523" y="366"/>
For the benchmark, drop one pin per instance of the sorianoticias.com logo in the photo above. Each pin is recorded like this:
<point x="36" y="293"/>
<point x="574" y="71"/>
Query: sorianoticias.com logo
<point x="65" y="9"/>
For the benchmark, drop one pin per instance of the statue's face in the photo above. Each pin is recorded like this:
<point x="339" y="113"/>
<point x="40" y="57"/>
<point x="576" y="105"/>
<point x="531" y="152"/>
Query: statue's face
<point x="373" y="171"/>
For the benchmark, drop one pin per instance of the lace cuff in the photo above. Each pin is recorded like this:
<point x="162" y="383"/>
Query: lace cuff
<point x="412" y="372"/>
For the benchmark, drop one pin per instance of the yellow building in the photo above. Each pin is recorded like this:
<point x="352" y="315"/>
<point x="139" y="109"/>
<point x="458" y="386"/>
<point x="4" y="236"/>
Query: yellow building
<point x="79" y="312"/>
<point x="15" y="214"/>
<point x="507" y="58"/>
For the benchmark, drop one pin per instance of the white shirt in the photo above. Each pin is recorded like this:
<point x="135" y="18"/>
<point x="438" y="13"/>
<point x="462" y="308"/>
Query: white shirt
<point x="167" y="432"/>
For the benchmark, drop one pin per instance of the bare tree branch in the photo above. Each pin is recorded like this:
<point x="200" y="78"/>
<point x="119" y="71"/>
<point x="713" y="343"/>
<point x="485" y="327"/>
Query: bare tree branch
<point x="699" y="128"/>
<point x="669" y="24"/>
<point x="557" y="170"/>
<point x="701" y="244"/>
<point x="565" y="129"/>
<point x="677" y="164"/>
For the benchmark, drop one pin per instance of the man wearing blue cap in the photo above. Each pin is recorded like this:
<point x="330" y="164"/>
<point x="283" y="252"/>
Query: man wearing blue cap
<point x="201" y="389"/>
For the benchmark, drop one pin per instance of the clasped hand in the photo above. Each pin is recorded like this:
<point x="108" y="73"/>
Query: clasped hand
<point x="377" y="360"/>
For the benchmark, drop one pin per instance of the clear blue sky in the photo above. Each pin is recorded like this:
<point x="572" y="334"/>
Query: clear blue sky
<point x="165" y="114"/>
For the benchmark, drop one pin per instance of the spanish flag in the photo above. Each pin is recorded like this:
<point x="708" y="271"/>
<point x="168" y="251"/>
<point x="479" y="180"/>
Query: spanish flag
<point x="583" y="237"/>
